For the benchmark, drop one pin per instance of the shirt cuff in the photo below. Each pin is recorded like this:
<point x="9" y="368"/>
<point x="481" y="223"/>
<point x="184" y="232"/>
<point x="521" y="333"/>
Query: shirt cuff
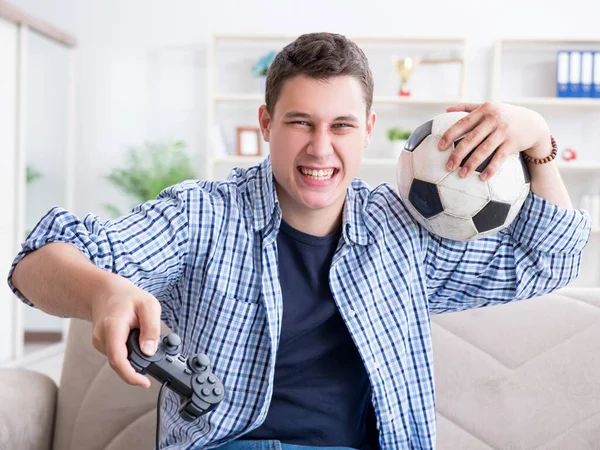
<point x="548" y="228"/>
<point x="33" y="243"/>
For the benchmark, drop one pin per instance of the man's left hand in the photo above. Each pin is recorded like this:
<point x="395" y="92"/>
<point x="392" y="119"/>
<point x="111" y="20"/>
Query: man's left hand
<point x="508" y="129"/>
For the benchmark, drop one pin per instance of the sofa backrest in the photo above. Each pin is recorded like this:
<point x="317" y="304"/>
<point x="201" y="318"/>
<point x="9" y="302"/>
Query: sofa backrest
<point x="96" y="409"/>
<point x="522" y="375"/>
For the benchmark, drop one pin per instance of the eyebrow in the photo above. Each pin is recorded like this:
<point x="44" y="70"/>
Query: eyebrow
<point x="302" y="115"/>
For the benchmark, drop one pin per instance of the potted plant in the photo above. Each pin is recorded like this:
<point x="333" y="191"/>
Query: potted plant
<point x="261" y="67"/>
<point x="152" y="167"/>
<point x="398" y="136"/>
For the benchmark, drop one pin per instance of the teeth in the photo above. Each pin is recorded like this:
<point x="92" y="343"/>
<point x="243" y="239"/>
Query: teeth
<point x="318" y="174"/>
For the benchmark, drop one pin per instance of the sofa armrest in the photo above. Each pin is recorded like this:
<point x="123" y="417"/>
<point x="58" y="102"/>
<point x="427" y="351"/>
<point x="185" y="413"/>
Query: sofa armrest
<point x="27" y="406"/>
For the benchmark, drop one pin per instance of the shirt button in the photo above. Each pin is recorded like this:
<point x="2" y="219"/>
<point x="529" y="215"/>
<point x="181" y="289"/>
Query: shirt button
<point x="391" y="417"/>
<point x="375" y="364"/>
<point x="351" y="313"/>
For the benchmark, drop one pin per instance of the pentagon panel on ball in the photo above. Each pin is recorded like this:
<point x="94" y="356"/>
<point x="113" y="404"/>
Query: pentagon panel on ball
<point x="447" y="205"/>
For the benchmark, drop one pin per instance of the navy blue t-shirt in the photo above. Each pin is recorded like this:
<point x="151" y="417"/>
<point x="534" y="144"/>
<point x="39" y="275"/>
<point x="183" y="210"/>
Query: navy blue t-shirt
<point x="321" y="391"/>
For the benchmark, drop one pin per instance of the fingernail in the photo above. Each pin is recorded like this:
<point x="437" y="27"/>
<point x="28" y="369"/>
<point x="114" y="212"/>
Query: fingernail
<point x="463" y="172"/>
<point x="148" y="347"/>
<point x="450" y="166"/>
<point x="483" y="176"/>
<point x="442" y="143"/>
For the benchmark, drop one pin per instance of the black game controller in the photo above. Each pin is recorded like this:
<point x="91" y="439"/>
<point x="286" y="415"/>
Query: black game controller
<point x="199" y="389"/>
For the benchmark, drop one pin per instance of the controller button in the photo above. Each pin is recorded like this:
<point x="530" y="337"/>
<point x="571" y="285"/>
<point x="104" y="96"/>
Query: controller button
<point x="217" y="391"/>
<point x="212" y="379"/>
<point x="201" y="380"/>
<point x="206" y="392"/>
<point x="168" y="358"/>
<point x="187" y="371"/>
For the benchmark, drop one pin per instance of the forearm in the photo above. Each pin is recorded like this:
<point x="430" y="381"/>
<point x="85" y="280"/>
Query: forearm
<point x="546" y="181"/>
<point x="59" y="280"/>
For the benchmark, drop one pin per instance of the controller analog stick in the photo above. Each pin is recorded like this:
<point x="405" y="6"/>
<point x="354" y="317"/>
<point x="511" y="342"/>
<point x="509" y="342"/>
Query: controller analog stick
<point x="200" y="362"/>
<point x="172" y="343"/>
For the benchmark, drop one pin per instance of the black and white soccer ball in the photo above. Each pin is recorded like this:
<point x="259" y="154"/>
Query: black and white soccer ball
<point x="449" y="206"/>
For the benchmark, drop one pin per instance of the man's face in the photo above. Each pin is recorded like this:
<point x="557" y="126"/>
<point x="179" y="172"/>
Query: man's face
<point x="317" y="135"/>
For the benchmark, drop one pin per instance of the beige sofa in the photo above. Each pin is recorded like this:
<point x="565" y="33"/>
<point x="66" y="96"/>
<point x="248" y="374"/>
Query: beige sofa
<point x="519" y="376"/>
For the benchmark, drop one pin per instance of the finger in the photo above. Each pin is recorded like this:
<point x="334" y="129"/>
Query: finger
<point x="481" y="153"/>
<point x="494" y="166"/>
<point x="467" y="107"/>
<point x="460" y="128"/>
<point x="117" y="332"/>
<point x="148" y="313"/>
<point x="466" y="145"/>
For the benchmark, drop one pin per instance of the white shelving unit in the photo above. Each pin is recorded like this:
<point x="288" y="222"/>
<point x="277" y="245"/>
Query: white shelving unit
<point x="230" y="99"/>
<point x="524" y="74"/>
<point x="37" y="100"/>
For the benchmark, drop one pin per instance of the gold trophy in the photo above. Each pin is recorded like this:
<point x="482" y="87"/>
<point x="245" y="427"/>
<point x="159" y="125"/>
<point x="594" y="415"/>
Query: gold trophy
<point x="405" y="67"/>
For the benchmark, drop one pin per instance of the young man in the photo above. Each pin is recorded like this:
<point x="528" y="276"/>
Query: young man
<point x="310" y="292"/>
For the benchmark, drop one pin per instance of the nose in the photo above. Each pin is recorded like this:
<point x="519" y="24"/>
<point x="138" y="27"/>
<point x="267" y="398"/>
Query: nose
<point x="320" y="144"/>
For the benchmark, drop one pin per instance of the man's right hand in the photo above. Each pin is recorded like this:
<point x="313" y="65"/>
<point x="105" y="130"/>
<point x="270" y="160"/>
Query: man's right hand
<point x="114" y="316"/>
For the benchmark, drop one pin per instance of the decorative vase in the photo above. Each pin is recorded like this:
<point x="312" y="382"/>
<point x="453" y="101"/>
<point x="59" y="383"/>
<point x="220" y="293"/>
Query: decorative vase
<point x="262" y="84"/>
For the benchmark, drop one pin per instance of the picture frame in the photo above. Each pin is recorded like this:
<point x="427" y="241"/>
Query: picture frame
<point x="248" y="141"/>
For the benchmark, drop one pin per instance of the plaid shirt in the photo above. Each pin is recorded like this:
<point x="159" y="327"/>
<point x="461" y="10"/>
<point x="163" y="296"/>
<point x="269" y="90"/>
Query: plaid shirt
<point x="208" y="252"/>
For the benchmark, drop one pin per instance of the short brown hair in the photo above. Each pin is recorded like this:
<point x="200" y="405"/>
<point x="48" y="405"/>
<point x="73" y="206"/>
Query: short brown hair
<point x="320" y="56"/>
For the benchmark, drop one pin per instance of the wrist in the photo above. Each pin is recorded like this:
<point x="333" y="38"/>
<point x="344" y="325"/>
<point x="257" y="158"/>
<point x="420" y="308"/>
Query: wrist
<point x="543" y="152"/>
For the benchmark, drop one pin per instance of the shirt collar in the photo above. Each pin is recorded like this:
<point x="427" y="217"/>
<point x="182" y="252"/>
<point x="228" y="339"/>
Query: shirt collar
<point x="266" y="206"/>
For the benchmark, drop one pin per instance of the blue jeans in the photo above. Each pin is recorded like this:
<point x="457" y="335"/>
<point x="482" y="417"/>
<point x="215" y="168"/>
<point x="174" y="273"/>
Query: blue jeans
<point x="272" y="445"/>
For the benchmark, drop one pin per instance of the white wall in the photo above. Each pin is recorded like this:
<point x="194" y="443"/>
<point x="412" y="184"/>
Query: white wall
<point x="8" y="180"/>
<point x="123" y="64"/>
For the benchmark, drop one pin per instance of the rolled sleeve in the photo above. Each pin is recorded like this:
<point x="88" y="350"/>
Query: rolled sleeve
<point x="148" y="246"/>
<point x="549" y="229"/>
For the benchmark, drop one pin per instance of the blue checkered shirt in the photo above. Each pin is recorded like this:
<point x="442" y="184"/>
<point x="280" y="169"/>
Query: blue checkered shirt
<point x="208" y="252"/>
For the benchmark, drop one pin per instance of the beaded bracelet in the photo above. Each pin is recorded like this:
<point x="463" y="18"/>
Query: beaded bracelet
<point x="548" y="158"/>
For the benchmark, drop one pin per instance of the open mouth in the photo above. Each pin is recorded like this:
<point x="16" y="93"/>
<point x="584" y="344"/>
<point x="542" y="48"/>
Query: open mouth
<point x="318" y="174"/>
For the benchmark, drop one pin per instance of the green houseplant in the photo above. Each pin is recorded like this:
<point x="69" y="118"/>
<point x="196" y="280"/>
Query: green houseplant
<point x="151" y="168"/>
<point x="398" y="136"/>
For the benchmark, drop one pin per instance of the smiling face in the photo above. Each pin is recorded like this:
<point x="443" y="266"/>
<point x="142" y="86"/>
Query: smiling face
<point x="317" y="134"/>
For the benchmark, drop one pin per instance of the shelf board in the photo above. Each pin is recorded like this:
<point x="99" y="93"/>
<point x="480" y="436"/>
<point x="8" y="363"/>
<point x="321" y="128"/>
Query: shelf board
<point x="359" y="39"/>
<point x="244" y="160"/>
<point x="575" y="166"/>
<point x="395" y="99"/>
<point x="579" y="166"/>
<point x="548" y="41"/>
<point x="555" y="101"/>
<point x="232" y="98"/>
<point x="379" y="99"/>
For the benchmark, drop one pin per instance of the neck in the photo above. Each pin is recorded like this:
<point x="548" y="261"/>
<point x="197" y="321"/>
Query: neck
<point x="314" y="222"/>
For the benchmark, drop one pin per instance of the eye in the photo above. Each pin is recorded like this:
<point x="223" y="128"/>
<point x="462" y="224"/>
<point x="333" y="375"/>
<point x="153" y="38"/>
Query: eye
<point x="342" y="125"/>
<point x="300" y="122"/>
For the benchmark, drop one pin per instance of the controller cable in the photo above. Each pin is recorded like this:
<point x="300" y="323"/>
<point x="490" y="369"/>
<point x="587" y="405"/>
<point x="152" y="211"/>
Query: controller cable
<point x="158" y="405"/>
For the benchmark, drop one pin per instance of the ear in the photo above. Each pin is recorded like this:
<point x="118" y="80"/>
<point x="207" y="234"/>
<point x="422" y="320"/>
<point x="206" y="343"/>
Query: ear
<point x="264" y="121"/>
<point x="371" y="119"/>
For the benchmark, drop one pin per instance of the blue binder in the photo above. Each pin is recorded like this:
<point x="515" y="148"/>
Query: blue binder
<point x="587" y="64"/>
<point x="562" y="74"/>
<point x="574" y="73"/>
<point x="596" y="75"/>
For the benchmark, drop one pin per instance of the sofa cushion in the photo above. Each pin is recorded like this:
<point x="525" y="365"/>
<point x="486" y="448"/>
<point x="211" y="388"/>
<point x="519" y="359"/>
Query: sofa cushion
<point x="27" y="409"/>
<point x="521" y="375"/>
